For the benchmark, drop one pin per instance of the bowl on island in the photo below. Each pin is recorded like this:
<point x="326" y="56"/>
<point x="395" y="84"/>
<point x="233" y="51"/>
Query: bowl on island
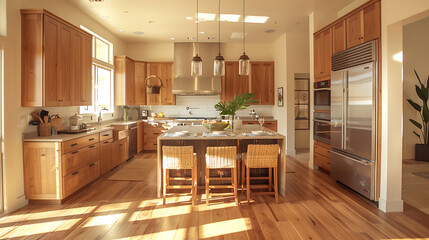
<point x="215" y="125"/>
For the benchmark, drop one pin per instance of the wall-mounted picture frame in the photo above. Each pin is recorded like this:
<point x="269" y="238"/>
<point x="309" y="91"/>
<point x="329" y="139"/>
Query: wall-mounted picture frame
<point x="280" y="98"/>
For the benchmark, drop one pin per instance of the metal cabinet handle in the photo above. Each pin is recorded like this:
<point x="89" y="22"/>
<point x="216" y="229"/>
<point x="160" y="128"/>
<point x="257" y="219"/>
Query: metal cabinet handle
<point x="74" y="152"/>
<point x="74" y="144"/>
<point x="75" y="173"/>
<point x="91" y="139"/>
<point x="42" y="155"/>
<point x="106" y="142"/>
<point x="155" y="144"/>
<point x="91" y="146"/>
<point x="92" y="164"/>
<point x="107" y="134"/>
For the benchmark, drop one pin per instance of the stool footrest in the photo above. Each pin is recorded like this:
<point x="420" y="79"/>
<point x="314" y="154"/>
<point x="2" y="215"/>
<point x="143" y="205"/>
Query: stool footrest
<point x="221" y="194"/>
<point x="180" y="178"/>
<point x="179" y="187"/>
<point x="259" y="178"/>
<point x="221" y="178"/>
<point x="221" y="186"/>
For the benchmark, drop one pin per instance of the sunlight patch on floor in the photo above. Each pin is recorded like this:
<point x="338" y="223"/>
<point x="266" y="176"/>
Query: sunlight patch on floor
<point x="113" y="207"/>
<point x="160" y="213"/>
<point x="102" y="220"/>
<point x="224" y="227"/>
<point x="38" y="228"/>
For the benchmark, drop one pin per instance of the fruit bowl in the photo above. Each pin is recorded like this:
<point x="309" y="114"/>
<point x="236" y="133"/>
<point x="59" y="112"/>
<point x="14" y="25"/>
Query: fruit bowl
<point x="215" y="125"/>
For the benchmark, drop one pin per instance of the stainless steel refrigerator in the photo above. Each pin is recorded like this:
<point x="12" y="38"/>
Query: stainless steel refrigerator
<point x="353" y="118"/>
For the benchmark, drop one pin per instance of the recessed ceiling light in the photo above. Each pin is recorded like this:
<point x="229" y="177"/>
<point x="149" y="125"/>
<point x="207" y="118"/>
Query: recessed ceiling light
<point x="276" y="22"/>
<point x="211" y="38"/>
<point x="151" y="22"/>
<point x="270" y="31"/>
<point x="256" y="19"/>
<point x="105" y="17"/>
<point x="298" y="23"/>
<point x="121" y="30"/>
<point x="202" y="32"/>
<point x="138" y="33"/>
<point x="230" y="17"/>
<point x="189" y="18"/>
<point x="190" y="38"/>
<point x="125" y="12"/>
<point x="172" y="38"/>
<point x="206" y="16"/>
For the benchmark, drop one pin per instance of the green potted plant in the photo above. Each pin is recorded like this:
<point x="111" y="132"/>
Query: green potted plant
<point x="421" y="150"/>
<point x="239" y="102"/>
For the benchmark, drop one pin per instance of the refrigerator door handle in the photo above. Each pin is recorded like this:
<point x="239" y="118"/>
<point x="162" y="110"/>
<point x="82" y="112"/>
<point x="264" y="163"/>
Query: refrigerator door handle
<point x="344" y="109"/>
<point x="363" y="162"/>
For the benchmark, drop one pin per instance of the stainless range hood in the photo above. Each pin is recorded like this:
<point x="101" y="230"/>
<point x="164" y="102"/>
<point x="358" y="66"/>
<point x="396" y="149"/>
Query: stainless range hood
<point x="184" y="83"/>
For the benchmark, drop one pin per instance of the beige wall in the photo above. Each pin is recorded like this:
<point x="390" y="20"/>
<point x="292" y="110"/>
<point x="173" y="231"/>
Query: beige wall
<point x="278" y="51"/>
<point x="16" y="117"/>
<point x="415" y="56"/>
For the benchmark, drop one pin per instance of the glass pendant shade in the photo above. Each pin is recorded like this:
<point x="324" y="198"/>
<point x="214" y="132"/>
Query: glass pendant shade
<point x="244" y="65"/>
<point x="219" y="66"/>
<point x="196" y="66"/>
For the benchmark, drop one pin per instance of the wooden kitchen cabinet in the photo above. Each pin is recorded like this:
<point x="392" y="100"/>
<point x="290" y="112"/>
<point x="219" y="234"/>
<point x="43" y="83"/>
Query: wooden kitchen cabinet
<point x="151" y="134"/>
<point x="164" y="70"/>
<point x="140" y="136"/>
<point x="123" y="149"/>
<point x="106" y="156"/>
<point x="140" y="87"/>
<point x="322" y="55"/>
<point x="364" y="25"/>
<point x="125" y="87"/>
<point x="272" y="125"/>
<point x="339" y="37"/>
<point x="232" y="83"/>
<point x="55" y="61"/>
<point x="322" y="155"/>
<point x="262" y="82"/>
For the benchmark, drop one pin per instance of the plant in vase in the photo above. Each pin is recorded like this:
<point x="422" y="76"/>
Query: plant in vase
<point x="239" y="102"/>
<point x="126" y="108"/>
<point x="422" y="90"/>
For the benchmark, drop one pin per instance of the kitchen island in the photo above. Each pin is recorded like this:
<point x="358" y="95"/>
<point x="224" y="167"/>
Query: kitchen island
<point x="200" y="138"/>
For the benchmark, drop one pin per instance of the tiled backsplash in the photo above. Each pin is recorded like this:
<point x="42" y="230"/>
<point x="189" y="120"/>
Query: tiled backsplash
<point x="202" y="106"/>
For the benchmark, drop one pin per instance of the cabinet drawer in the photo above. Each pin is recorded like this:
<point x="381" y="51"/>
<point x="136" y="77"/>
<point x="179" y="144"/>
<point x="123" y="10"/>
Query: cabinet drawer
<point x="155" y="126"/>
<point x="77" y="143"/>
<point x="150" y="145"/>
<point x="106" y="135"/>
<point x="322" y="151"/>
<point x="79" y="178"/>
<point x="151" y="135"/>
<point x="322" y="161"/>
<point x="322" y="144"/>
<point x="79" y="158"/>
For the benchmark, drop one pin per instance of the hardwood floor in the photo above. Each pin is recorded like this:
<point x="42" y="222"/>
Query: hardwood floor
<point x="315" y="208"/>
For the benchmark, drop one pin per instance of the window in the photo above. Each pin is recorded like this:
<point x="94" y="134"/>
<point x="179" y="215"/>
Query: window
<point x="102" y="75"/>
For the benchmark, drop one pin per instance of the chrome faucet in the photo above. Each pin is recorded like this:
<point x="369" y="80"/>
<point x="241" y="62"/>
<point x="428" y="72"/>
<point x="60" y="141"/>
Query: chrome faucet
<point x="99" y="115"/>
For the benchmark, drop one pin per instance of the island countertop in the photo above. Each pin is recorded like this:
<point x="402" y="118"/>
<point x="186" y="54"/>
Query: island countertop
<point x="200" y="138"/>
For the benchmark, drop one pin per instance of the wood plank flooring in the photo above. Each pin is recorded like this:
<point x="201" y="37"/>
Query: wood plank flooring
<point x="315" y="207"/>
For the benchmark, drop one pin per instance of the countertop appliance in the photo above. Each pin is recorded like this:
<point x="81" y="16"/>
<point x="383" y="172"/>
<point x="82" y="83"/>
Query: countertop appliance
<point x="322" y="95"/>
<point x="184" y="83"/>
<point x="354" y="118"/>
<point x="322" y="111"/>
<point x="145" y="114"/>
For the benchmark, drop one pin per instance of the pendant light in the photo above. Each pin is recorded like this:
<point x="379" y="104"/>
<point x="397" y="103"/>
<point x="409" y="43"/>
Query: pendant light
<point x="219" y="62"/>
<point x="244" y="61"/>
<point x="197" y="62"/>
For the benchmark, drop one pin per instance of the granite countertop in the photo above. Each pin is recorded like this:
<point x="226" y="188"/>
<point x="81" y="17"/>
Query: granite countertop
<point x="33" y="137"/>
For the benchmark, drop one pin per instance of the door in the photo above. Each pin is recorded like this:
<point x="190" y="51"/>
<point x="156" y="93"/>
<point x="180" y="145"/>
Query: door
<point x="360" y="102"/>
<point x="167" y="96"/>
<point x="86" y="86"/>
<point x="337" y="106"/>
<point x="76" y="66"/>
<point x="106" y="159"/>
<point x="140" y="77"/>
<point x="262" y="82"/>
<point x="140" y="133"/>
<point x="51" y="31"/>
<point x="371" y="23"/>
<point x="355" y="29"/>
<point x="339" y="37"/>
<point x="130" y="86"/>
<point x="65" y="87"/>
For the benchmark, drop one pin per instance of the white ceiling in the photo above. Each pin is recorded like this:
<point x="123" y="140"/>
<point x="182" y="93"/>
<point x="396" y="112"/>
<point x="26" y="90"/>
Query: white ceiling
<point x="169" y="18"/>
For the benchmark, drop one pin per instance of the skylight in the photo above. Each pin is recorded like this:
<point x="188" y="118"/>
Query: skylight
<point x="206" y="16"/>
<point x="230" y="17"/>
<point x="256" y="19"/>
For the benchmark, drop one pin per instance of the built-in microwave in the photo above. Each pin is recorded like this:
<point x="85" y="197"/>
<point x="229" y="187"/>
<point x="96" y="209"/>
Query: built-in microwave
<point x="322" y="95"/>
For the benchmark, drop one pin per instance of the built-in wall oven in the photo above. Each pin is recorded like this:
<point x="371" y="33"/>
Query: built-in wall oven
<point x="322" y="111"/>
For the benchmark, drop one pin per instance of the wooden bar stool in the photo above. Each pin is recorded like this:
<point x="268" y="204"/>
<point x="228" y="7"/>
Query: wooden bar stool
<point x="221" y="157"/>
<point x="183" y="157"/>
<point x="261" y="156"/>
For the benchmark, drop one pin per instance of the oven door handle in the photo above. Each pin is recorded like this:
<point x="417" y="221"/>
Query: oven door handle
<point x="321" y="89"/>
<point x="322" y="121"/>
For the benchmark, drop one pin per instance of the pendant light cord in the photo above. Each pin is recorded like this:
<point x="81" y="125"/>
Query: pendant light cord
<point x="219" y="28"/>
<point x="244" y="28"/>
<point x="198" y="22"/>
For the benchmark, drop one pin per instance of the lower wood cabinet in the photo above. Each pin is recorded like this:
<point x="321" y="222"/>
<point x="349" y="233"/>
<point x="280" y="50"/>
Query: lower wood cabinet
<point x="322" y="155"/>
<point x="140" y="137"/>
<point x="150" y="135"/>
<point x="55" y="170"/>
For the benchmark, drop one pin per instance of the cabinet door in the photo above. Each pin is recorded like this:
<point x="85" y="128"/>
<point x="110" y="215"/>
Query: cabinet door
<point x="106" y="158"/>
<point x="64" y="66"/>
<point x="123" y="149"/>
<point x="140" y="77"/>
<point x="327" y="52"/>
<point x="154" y="69"/>
<point x="372" y="22"/>
<point x="355" y="29"/>
<point x="232" y="83"/>
<point x="42" y="170"/>
<point x="318" y="48"/>
<point x="140" y="139"/>
<point x="86" y="86"/>
<point x="76" y="66"/>
<point x="262" y="82"/>
<point x="167" y="96"/>
<point x="339" y="37"/>
<point x="75" y="160"/>
<point x="130" y="86"/>
<point x="51" y="90"/>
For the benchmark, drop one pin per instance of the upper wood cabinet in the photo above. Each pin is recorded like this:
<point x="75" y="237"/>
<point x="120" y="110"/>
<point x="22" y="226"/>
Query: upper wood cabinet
<point x="364" y="25"/>
<point x="232" y="83"/>
<point x="262" y="82"/>
<point x="125" y="91"/>
<point x="140" y="77"/>
<point x="163" y="70"/>
<point x="322" y="55"/>
<point x="339" y="37"/>
<point x="56" y="61"/>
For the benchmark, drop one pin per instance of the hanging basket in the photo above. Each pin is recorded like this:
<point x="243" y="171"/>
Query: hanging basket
<point x="154" y="89"/>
